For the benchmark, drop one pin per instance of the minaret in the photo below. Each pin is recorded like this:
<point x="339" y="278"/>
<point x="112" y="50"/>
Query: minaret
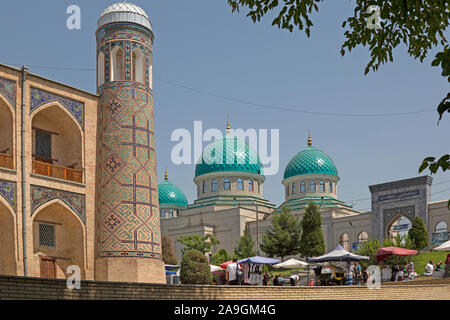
<point x="128" y="226"/>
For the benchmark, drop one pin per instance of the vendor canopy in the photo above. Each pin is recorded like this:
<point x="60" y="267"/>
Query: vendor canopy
<point x="291" y="264"/>
<point x="443" y="247"/>
<point x="259" y="260"/>
<point x="384" y="253"/>
<point x="338" y="254"/>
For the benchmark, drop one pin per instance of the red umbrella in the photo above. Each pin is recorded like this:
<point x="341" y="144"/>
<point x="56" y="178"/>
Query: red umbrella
<point x="384" y="253"/>
<point x="225" y="264"/>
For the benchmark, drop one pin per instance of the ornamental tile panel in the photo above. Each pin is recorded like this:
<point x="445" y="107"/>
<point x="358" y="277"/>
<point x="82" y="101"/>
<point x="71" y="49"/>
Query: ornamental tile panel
<point x="40" y="97"/>
<point x="8" y="90"/>
<point x="8" y="192"/>
<point x="41" y="195"/>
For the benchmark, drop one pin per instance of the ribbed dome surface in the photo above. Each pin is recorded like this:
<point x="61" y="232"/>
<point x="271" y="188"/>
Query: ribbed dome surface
<point x="170" y="194"/>
<point x="310" y="161"/>
<point x="228" y="154"/>
<point x="124" y="12"/>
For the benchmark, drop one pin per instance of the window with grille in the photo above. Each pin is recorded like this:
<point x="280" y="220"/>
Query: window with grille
<point x="43" y="144"/>
<point x="46" y="235"/>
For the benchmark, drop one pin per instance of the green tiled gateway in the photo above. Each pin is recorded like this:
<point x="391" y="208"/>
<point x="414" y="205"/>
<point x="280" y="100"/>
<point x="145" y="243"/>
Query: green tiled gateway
<point x="228" y="154"/>
<point x="310" y="160"/>
<point x="170" y="194"/>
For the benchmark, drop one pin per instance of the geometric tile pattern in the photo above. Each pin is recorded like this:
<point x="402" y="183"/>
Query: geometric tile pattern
<point x="40" y="97"/>
<point x="8" y="90"/>
<point x="228" y="154"/>
<point x="41" y="195"/>
<point x="128" y="195"/>
<point x="127" y="199"/>
<point x="310" y="160"/>
<point x="8" y="192"/>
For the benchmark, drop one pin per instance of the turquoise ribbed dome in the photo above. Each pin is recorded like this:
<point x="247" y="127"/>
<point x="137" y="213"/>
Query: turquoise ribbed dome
<point x="170" y="194"/>
<point x="310" y="161"/>
<point x="235" y="155"/>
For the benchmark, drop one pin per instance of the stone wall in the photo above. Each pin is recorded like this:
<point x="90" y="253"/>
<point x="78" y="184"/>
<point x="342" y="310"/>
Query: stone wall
<point x="36" y="288"/>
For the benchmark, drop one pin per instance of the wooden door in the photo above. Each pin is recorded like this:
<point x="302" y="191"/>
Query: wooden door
<point x="48" y="267"/>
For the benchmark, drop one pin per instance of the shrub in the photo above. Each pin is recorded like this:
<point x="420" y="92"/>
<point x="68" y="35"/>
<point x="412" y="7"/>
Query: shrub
<point x="195" y="268"/>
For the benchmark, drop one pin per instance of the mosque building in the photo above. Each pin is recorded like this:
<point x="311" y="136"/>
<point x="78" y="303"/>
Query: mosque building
<point x="79" y="185"/>
<point x="230" y="200"/>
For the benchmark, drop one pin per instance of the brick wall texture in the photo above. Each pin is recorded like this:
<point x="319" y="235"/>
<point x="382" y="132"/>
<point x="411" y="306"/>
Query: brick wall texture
<point x="37" y="288"/>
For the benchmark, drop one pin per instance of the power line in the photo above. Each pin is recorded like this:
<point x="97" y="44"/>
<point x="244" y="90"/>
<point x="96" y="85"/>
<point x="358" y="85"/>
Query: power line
<point x="254" y="104"/>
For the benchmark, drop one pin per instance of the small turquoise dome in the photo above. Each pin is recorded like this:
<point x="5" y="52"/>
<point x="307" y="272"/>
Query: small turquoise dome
<point x="170" y="194"/>
<point x="310" y="161"/>
<point x="235" y="155"/>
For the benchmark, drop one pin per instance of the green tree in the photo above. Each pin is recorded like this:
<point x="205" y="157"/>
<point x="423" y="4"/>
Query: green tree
<point x="245" y="246"/>
<point x="419" y="25"/>
<point x="196" y="242"/>
<point x="312" y="243"/>
<point x="195" y="268"/>
<point x="418" y="234"/>
<point x="220" y="257"/>
<point x="168" y="254"/>
<point x="283" y="237"/>
<point x="369" y="249"/>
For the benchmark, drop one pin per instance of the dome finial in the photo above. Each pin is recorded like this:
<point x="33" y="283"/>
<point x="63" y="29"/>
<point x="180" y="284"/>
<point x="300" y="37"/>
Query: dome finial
<point x="309" y="138"/>
<point x="228" y="126"/>
<point x="166" y="176"/>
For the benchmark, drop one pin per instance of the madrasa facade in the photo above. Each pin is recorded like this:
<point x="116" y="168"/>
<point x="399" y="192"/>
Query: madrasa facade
<point x="79" y="185"/>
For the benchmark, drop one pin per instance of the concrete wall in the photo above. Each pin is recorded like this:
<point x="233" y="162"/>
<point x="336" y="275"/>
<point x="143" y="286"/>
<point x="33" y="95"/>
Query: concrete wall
<point x="35" y="288"/>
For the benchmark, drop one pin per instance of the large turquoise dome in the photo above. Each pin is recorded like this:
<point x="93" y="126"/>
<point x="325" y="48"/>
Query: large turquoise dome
<point x="310" y="161"/>
<point x="234" y="155"/>
<point x="170" y="194"/>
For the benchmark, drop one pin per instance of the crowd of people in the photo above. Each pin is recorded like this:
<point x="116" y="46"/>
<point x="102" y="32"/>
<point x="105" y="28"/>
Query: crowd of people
<point x="354" y="275"/>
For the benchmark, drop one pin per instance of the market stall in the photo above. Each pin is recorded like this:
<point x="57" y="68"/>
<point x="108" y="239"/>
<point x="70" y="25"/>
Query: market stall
<point x="252" y="268"/>
<point x="339" y="254"/>
<point x="291" y="264"/>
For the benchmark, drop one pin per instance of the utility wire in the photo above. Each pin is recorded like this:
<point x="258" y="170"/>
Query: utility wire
<point x="246" y="102"/>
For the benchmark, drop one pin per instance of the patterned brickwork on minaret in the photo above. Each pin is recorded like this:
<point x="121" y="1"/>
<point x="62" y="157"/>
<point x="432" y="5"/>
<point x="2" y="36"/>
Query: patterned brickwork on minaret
<point x="128" y="225"/>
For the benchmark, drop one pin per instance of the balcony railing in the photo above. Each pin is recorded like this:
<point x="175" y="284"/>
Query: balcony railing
<point x="6" y="161"/>
<point x="51" y="170"/>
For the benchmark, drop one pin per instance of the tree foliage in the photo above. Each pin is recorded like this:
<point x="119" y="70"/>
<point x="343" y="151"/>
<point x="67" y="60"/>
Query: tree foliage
<point x="196" y="242"/>
<point x="419" y="25"/>
<point x="245" y="246"/>
<point x="369" y="249"/>
<point x="220" y="257"/>
<point x="195" y="268"/>
<point x="283" y="237"/>
<point x="312" y="243"/>
<point x="418" y="234"/>
<point x="168" y="253"/>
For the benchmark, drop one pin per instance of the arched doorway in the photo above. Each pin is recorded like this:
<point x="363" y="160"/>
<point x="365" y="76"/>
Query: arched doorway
<point x="6" y="134"/>
<point x="7" y="241"/>
<point x="57" y="144"/>
<point x="58" y="241"/>
<point x="399" y="226"/>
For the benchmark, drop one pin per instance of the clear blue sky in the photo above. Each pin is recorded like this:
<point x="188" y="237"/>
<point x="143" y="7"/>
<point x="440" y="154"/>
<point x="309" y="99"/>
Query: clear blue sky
<point x="201" y="44"/>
